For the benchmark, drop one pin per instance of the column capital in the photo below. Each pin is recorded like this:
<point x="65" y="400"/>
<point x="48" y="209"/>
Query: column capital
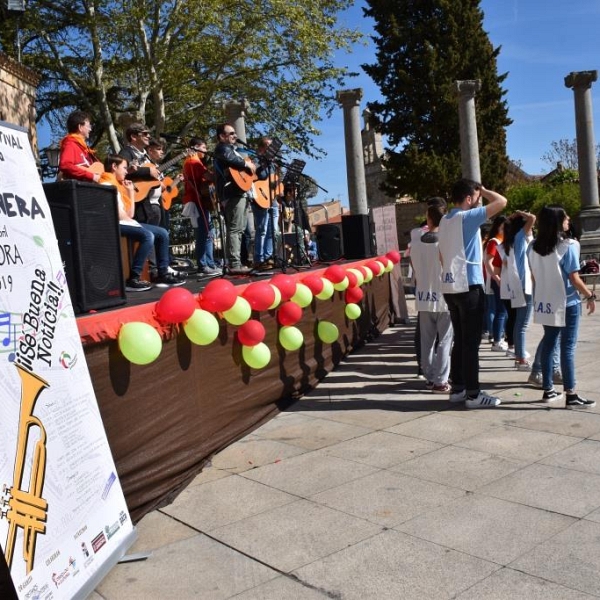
<point x="241" y="105"/>
<point x="349" y="98"/>
<point x="581" y="79"/>
<point x="468" y="87"/>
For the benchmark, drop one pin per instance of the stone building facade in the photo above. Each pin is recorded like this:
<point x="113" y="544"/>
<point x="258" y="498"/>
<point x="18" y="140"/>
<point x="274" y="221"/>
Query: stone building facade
<point x="18" y="87"/>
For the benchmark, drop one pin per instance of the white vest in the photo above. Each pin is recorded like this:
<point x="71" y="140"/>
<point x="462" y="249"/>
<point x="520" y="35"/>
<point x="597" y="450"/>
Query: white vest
<point x="549" y="295"/>
<point x="428" y="270"/>
<point x="454" y="258"/>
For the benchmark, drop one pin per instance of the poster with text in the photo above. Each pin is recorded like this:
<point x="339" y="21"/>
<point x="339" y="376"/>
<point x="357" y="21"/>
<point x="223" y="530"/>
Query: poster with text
<point x="62" y="509"/>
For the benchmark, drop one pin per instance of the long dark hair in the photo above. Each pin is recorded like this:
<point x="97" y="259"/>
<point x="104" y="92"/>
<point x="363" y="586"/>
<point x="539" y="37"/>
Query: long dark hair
<point x="550" y="229"/>
<point x="514" y="225"/>
<point x="497" y="223"/>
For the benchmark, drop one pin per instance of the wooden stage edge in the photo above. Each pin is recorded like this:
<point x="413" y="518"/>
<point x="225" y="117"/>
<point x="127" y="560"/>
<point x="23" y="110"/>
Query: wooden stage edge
<point x="165" y="420"/>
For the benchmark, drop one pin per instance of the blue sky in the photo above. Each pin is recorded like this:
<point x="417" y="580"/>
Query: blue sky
<point x="542" y="42"/>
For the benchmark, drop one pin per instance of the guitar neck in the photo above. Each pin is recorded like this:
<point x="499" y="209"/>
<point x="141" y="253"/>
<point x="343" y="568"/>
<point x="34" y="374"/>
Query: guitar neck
<point x="171" y="161"/>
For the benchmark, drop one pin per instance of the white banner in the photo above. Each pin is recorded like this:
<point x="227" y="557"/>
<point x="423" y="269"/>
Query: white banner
<point x="63" y="517"/>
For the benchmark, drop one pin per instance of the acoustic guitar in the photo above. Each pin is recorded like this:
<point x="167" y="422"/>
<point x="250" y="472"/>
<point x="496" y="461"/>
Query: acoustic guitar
<point x="143" y="188"/>
<point x="170" y="190"/>
<point x="264" y="189"/>
<point x="242" y="179"/>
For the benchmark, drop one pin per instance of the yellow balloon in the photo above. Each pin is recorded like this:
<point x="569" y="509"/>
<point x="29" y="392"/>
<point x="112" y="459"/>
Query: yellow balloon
<point x="290" y="338"/>
<point x="342" y="285"/>
<point x="303" y="296"/>
<point x="382" y="269"/>
<point x="352" y="311"/>
<point x="140" y="343"/>
<point x="277" y="300"/>
<point x="327" y="290"/>
<point x="360" y="278"/>
<point x="369" y="274"/>
<point x="239" y="313"/>
<point x="257" y="356"/>
<point x="327" y="332"/>
<point x="202" y="327"/>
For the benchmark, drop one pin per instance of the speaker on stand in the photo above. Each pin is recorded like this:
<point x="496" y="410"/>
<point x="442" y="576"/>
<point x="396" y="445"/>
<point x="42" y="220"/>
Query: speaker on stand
<point x="358" y="238"/>
<point x="329" y="242"/>
<point x="86" y="224"/>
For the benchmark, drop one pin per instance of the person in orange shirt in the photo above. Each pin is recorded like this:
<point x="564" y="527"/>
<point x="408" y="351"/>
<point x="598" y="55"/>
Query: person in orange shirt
<point x="148" y="236"/>
<point x="77" y="159"/>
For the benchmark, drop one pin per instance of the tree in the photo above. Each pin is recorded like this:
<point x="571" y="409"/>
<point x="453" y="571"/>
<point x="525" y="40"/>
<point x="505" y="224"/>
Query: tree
<point x="564" y="151"/>
<point x="172" y="63"/>
<point x="423" y="47"/>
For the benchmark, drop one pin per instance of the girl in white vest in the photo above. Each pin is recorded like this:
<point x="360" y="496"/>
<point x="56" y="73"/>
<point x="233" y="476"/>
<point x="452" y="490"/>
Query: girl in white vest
<point x="434" y="318"/>
<point x="554" y="261"/>
<point x="516" y="280"/>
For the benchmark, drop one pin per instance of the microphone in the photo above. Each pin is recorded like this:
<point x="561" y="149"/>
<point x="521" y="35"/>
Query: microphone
<point x="241" y="143"/>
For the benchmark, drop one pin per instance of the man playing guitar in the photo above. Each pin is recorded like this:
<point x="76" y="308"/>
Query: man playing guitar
<point x="233" y="199"/>
<point x="77" y="159"/>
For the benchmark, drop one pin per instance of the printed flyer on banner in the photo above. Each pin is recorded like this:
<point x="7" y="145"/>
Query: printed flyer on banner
<point x="63" y="515"/>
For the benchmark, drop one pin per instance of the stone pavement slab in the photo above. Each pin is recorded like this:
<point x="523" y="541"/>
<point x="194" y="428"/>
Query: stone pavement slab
<point x="295" y="535"/>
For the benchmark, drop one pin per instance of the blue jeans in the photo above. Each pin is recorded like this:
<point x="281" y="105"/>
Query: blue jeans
<point x="537" y="361"/>
<point x="497" y="313"/>
<point x="264" y="223"/>
<point x="204" y="240"/>
<point x="147" y="236"/>
<point x="568" y="342"/>
<point x="522" y="318"/>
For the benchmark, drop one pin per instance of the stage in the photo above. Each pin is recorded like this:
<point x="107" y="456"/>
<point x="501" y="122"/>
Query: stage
<point x="164" y="420"/>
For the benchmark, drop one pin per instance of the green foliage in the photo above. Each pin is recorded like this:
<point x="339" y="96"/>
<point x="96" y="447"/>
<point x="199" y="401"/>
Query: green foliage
<point x="533" y="196"/>
<point x="173" y="63"/>
<point x="423" y="48"/>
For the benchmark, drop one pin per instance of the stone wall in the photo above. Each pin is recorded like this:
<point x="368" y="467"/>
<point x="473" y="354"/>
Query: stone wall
<point x="18" y="86"/>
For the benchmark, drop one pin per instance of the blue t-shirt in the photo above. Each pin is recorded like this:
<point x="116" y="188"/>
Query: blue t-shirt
<point x="569" y="264"/>
<point x="473" y="219"/>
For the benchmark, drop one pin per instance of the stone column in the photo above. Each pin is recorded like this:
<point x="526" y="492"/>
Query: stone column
<point x="469" y="145"/>
<point x="589" y="217"/>
<point x="235" y="114"/>
<point x="355" y="166"/>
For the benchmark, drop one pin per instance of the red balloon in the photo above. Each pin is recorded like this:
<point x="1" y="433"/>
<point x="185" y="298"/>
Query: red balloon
<point x="289" y="313"/>
<point x="218" y="296"/>
<point x="394" y="256"/>
<point x="251" y="333"/>
<point x="285" y="284"/>
<point x="176" y="306"/>
<point x="260" y="295"/>
<point x="335" y="274"/>
<point x="352" y="279"/>
<point x="314" y="284"/>
<point x="354" y="295"/>
<point x="374" y="266"/>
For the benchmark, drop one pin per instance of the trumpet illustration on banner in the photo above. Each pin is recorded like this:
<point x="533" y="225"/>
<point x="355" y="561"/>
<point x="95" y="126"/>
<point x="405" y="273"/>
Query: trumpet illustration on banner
<point x="25" y="508"/>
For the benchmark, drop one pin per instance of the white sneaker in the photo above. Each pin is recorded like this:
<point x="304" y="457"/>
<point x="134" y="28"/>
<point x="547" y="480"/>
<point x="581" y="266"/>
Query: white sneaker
<point x="458" y="396"/>
<point x="510" y="352"/>
<point x="536" y="380"/>
<point x="483" y="400"/>
<point x="522" y="366"/>
<point x="499" y="347"/>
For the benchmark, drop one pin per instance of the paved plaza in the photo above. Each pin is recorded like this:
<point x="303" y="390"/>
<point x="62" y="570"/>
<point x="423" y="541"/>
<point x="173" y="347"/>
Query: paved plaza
<point x="370" y="487"/>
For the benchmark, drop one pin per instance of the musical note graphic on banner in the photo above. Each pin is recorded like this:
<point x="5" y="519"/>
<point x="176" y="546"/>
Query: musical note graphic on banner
<point x="11" y="335"/>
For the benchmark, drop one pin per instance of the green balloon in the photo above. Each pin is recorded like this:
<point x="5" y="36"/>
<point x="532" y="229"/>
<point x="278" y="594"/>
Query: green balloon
<point x="342" y="285"/>
<point x="303" y="296"/>
<point x="257" y="356"/>
<point x="382" y="269"/>
<point x="290" y="338"/>
<point x="352" y="311"/>
<point x="202" y="327"/>
<point x="369" y="274"/>
<point x="327" y="332"/>
<point x="140" y="343"/>
<point x="277" y="300"/>
<point x="239" y="313"/>
<point x="327" y="290"/>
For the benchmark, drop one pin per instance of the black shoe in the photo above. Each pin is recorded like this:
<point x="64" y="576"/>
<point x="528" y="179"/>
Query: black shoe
<point x="135" y="284"/>
<point x="576" y="400"/>
<point x="167" y="280"/>
<point x="551" y="396"/>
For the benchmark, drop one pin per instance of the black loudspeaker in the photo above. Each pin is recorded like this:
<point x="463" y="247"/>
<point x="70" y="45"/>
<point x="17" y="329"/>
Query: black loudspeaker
<point x="329" y="241"/>
<point x="357" y="236"/>
<point x="86" y="223"/>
